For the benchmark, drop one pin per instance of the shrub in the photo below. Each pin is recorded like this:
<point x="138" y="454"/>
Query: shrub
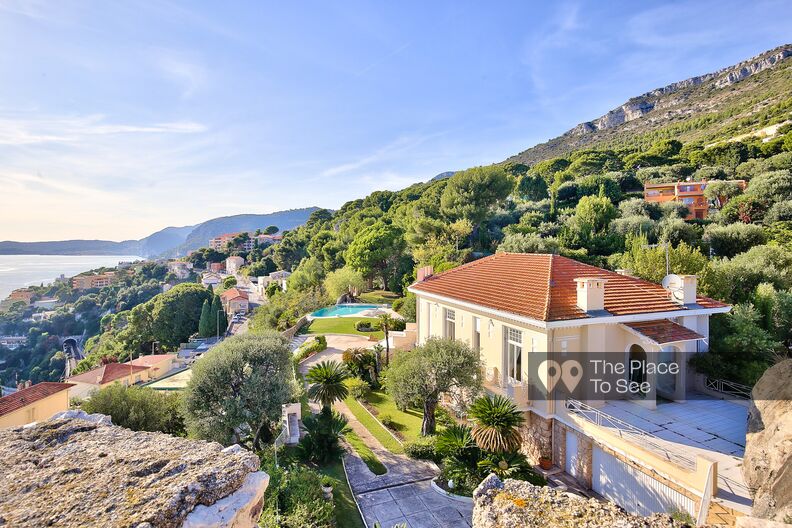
<point x="321" y="441"/>
<point x="443" y="417"/>
<point x="732" y="239"/>
<point x="387" y="420"/>
<point x="423" y="449"/>
<point x="364" y="326"/>
<point x="309" y="348"/>
<point x="397" y="304"/>
<point x="358" y="388"/>
<point x="139" y="408"/>
<point x="294" y="499"/>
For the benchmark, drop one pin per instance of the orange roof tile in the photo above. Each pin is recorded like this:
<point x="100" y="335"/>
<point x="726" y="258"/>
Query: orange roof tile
<point x="233" y="293"/>
<point x="542" y="287"/>
<point x="24" y="397"/>
<point x="664" y="331"/>
<point x="150" y="361"/>
<point x="107" y="373"/>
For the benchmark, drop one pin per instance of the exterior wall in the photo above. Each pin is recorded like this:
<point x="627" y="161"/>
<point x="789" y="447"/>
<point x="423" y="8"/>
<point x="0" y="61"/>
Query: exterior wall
<point x="42" y="409"/>
<point x="237" y="305"/>
<point x="159" y="369"/>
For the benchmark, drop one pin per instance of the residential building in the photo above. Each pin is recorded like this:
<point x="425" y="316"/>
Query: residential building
<point x="280" y="277"/>
<point x="664" y="444"/>
<point x="234" y="301"/>
<point x="12" y="341"/>
<point x="34" y="403"/>
<point x="100" y="377"/>
<point x="93" y="280"/>
<point x="180" y="269"/>
<point x="220" y="242"/>
<point x="158" y="364"/>
<point x="211" y="279"/>
<point x="38" y="317"/>
<point x="267" y="240"/>
<point x="47" y="303"/>
<point x="689" y="193"/>
<point x="216" y="267"/>
<point x="24" y="295"/>
<point x="233" y="264"/>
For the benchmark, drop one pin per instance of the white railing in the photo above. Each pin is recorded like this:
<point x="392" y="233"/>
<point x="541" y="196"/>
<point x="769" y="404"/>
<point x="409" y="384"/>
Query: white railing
<point x="629" y="432"/>
<point x="729" y="388"/>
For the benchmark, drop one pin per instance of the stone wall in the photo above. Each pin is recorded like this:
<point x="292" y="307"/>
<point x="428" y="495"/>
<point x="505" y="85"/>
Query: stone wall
<point x="537" y="437"/>
<point x="78" y="470"/>
<point x="516" y="503"/>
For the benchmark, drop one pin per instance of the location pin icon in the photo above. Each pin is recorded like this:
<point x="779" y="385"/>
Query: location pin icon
<point x="571" y="374"/>
<point x="549" y="373"/>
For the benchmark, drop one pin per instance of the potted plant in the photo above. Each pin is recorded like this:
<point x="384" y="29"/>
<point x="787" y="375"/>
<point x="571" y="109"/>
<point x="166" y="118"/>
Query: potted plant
<point x="327" y="487"/>
<point x="545" y="462"/>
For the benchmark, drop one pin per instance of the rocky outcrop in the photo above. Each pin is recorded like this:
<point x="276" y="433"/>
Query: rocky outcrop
<point x="80" y="470"/>
<point x="517" y="503"/>
<point x="767" y="465"/>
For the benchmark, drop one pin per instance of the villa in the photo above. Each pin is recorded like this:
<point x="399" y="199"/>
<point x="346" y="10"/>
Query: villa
<point x="233" y="264"/>
<point x="666" y="442"/>
<point x="234" y="301"/>
<point x="34" y="403"/>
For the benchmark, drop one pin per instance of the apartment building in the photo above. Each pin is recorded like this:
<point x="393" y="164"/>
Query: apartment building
<point x="220" y="242"/>
<point x="689" y="193"/>
<point x="93" y="280"/>
<point x="662" y="445"/>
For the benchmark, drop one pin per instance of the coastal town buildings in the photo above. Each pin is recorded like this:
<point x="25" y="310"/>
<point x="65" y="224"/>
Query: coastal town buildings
<point x="665" y="445"/>
<point x="89" y="281"/>
<point x="220" y="243"/>
<point x="180" y="269"/>
<point x="34" y="403"/>
<point x="234" y="264"/>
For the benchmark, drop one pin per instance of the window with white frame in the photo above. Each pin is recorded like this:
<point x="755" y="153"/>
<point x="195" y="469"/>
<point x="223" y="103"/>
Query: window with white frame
<point x="450" y="324"/>
<point x="513" y="347"/>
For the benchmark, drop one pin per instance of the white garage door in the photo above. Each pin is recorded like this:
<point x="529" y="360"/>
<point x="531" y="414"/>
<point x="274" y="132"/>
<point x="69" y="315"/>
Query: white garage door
<point x="634" y="490"/>
<point x="570" y="464"/>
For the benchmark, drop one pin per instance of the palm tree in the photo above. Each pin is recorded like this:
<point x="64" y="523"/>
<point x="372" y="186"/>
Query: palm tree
<point x="386" y="321"/>
<point x="327" y="383"/>
<point x="497" y="424"/>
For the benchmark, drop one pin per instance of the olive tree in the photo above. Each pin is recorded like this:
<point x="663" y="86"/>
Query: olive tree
<point x="237" y="389"/>
<point x="419" y="376"/>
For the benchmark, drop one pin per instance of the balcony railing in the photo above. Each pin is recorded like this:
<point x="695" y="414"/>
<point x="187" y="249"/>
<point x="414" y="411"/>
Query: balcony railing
<point x="728" y="388"/>
<point x="629" y="432"/>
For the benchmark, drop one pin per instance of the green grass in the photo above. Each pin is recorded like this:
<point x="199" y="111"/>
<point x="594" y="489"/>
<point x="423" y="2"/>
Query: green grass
<point x="406" y="423"/>
<point x="365" y="453"/>
<point x="347" y="515"/>
<point x="375" y="428"/>
<point x="340" y="325"/>
<point x="378" y="297"/>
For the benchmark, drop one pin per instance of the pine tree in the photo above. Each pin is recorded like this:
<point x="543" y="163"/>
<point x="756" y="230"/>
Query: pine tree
<point x="205" y="324"/>
<point x="217" y="307"/>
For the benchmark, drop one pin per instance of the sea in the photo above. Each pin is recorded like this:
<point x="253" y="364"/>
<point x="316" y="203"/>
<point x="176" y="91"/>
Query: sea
<point x="18" y="271"/>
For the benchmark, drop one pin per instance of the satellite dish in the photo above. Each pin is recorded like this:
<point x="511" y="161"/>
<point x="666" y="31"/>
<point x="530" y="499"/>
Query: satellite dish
<point x="675" y="285"/>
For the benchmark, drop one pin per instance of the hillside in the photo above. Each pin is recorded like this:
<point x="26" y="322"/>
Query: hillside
<point x="171" y="241"/>
<point x="718" y="105"/>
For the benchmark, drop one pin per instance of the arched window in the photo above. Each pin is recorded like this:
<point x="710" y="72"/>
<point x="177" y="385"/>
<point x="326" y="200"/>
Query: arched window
<point x="637" y="366"/>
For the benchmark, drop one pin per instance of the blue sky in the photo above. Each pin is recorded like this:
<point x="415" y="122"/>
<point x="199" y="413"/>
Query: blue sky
<point x="121" y="118"/>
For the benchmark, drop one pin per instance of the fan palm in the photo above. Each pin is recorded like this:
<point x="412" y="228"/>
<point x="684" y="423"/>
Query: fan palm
<point x="497" y="424"/>
<point x="327" y="382"/>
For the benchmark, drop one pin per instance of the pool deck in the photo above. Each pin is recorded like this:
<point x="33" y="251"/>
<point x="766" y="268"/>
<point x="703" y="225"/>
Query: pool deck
<point x="366" y="310"/>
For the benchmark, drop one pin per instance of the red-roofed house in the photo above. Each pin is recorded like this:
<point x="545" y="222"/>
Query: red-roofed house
<point x="34" y="403"/>
<point x="158" y="364"/>
<point x="234" y="301"/>
<point x="93" y="380"/>
<point x="550" y="330"/>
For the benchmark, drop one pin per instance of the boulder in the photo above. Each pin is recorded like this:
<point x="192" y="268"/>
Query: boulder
<point x="767" y="464"/>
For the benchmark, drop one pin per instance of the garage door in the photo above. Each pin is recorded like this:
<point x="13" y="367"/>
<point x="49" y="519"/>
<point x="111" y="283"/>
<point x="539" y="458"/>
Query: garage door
<point x="570" y="464"/>
<point x="634" y="490"/>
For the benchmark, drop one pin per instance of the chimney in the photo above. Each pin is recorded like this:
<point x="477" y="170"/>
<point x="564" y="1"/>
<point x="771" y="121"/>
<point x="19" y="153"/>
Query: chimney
<point x="28" y="384"/>
<point x="20" y="385"/>
<point x="591" y="293"/>
<point x="687" y="295"/>
<point x="424" y="273"/>
<point x="625" y="272"/>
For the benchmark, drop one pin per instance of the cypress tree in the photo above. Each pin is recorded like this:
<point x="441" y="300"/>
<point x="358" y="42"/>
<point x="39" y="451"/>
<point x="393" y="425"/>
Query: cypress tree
<point x="205" y="324"/>
<point x="217" y="306"/>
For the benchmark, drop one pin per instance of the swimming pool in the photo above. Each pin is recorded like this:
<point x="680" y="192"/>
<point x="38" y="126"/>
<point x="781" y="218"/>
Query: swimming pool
<point x="343" y="309"/>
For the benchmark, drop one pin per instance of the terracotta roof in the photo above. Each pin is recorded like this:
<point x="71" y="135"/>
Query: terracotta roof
<point x="107" y="373"/>
<point x="150" y="361"/>
<point x="542" y="287"/>
<point x="233" y="293"/>
<point x="664" y="331"/>
<point x="24" y="397"/>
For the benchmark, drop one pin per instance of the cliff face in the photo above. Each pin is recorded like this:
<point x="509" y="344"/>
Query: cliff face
<point x="692" y="97"/>
<point x="79" y="470"/>
<point x="767" y="465"/>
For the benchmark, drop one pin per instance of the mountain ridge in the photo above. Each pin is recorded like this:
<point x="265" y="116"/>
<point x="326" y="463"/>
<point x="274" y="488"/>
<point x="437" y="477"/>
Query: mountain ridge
<point x="170" y="241"/>
<point x="658" y="109"/>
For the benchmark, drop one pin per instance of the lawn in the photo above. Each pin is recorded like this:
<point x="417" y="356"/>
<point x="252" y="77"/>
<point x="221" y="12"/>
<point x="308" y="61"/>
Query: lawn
<point x="365" y="453"/>
<point x="375" y="428"/>
<point x="378" y="297"/>
<point x="346" y="511"/>
<point x="405" y="423"/>
<point x="340" y="325"/>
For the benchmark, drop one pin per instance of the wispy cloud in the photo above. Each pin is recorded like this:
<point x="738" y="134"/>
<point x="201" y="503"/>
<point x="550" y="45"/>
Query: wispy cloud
<point x="188" y="73"/>
<point x="27" y="130"/>
<point x="390" y="151"/>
